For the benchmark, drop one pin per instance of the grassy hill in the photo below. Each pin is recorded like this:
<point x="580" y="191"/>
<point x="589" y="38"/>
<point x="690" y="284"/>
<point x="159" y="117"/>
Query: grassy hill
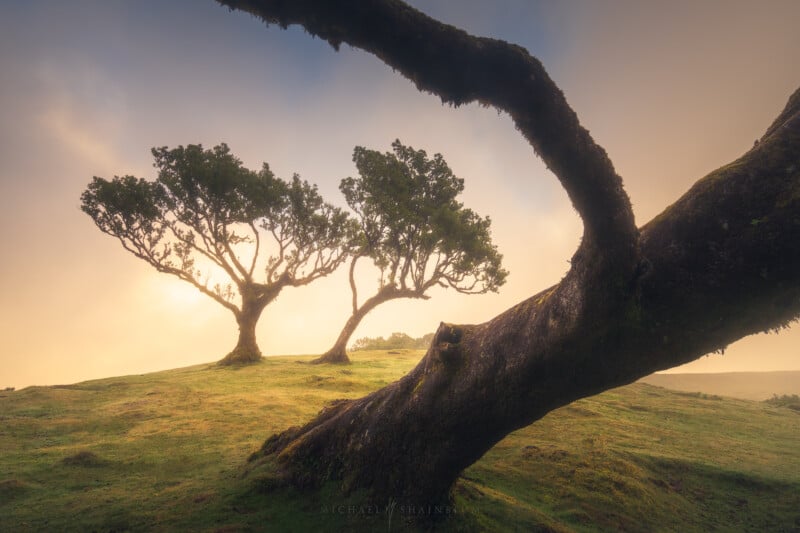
<point x="165" y="452"/>
<point x="745" y="385"/>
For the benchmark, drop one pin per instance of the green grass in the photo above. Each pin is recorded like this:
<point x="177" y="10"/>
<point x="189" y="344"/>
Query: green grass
<point x="165" y="452"/>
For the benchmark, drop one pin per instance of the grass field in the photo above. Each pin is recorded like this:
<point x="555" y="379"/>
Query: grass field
<point x="165" y="452"/>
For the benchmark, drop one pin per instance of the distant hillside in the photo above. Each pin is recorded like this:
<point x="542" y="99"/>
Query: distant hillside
<point x="745" y="385"/>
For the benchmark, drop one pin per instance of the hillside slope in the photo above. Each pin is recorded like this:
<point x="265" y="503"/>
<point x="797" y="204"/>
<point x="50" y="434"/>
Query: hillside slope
<point x="745" y="385"/>
<point x="166" y="452"/>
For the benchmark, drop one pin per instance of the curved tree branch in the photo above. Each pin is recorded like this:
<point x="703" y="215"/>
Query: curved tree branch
<point x="353" y="286"/>
<point x="713" y="277"/>
<point x="460" y="68"/>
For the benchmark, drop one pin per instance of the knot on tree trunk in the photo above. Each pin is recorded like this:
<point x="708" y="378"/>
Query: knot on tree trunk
<point x="445" y="344"/>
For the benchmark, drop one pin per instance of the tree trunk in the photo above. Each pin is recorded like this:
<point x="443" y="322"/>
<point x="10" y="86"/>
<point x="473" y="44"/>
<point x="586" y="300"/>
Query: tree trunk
<point x="246" y="350"/>
<point x="338" y="353"/>
<point x="721" y="263"/>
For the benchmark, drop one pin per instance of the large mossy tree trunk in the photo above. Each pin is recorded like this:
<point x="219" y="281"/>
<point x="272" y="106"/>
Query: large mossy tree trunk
<point x="711" y="276"/>
<point x="721" y="263"/>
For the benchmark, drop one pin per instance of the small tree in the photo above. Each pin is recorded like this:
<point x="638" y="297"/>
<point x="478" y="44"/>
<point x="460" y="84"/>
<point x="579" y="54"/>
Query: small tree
<point x="415" y="231"/>
<point x="206" y="207"/>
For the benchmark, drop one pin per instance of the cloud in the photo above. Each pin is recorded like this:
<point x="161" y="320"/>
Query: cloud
<point x="63" y="125"/>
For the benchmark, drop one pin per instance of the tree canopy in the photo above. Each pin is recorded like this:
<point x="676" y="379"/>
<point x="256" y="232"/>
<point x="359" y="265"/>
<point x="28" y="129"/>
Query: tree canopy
<point x="415" y="231"/>
<point x="207" y="211"/>
<point x="413" y="227"/>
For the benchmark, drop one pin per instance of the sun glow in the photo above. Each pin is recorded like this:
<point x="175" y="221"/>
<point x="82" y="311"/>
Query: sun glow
<point x="177" y="294"/>
<point x="79" y="101"/>
<point x="173" y="292"/>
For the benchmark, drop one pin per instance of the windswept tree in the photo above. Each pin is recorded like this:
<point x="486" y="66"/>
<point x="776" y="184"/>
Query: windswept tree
<point x="415" y="231"/>
<point x="206" y="210"/>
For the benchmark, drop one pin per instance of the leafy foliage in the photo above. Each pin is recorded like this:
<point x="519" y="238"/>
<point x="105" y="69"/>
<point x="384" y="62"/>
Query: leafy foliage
<point x="414" y="229"/>
<point x="206" y="207"/>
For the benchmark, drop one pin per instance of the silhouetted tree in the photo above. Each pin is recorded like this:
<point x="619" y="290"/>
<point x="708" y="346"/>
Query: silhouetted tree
<point x="635" y="300"/>
<point x="416" y="233"/>
<point x="206" y="206"/>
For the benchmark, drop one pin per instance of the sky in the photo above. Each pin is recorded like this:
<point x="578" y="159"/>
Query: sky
<point x="672" y="90"/>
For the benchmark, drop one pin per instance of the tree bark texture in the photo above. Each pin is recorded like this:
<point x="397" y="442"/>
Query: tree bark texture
<point x="721" y="263"/>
